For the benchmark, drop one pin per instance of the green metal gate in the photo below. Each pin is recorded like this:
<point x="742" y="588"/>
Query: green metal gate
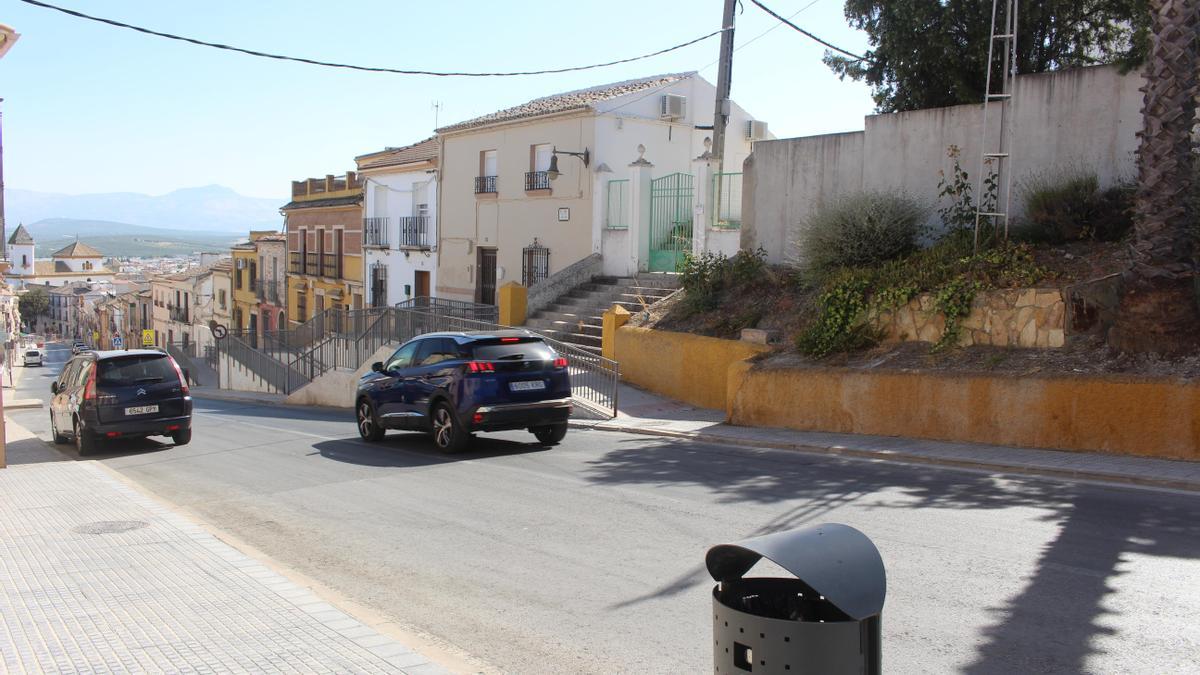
<point x="670" y="221"/>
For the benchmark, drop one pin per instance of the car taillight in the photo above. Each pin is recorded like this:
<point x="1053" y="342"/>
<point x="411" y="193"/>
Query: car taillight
<point x="182" y="381"/>
<point x="89" y="389"/>
<point x="481" y="367"/>
<point x="560" y="362"/>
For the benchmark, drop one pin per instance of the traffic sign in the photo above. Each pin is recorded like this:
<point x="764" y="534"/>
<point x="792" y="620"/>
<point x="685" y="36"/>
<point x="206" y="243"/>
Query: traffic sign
<point x="219" y="331"/>
<point x="148" y="337"/>
<point x="118" y="342"/>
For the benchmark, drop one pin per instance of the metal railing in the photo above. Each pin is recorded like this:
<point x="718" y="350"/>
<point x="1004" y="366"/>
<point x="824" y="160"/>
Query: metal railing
<point x="179" y="314"/>
<point x="349" y="338"/>
<point x="375" y="231"/>
<point x="312" y="264"/>
<point x="537" y="180"/>
<point x="330" y="267"/>
<point x="414" y="231"/>
<point x="295" y="262"/>
<point x="200" y="362"/>
<point x="268" y="292"/>
<point x="485" y="184"/>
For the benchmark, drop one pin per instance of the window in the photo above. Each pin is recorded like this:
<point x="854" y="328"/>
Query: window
<point x="485" y="182"/>
<point x="436" y="350"/>
<point x="539" y="157"/>
<point x="24" y="261"/>
<point x="403" y="357"/>
<point x="237" y="279"/>
<point x="617" y="205"/>
<point x="221" y="298"/>
<point x="128" y="371"/>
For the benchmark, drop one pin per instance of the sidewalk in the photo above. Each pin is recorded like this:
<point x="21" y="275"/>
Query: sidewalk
<point x="96" y="577"/>
<point x="641" y="412"/>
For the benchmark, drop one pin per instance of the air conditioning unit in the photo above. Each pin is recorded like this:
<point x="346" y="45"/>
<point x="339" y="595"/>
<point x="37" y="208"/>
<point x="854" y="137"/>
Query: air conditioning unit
<point x="672" y="107"/>
<point x="756" y="130"/>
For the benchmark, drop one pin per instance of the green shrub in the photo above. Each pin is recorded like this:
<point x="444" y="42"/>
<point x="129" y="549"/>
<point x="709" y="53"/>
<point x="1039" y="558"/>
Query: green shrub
<point x="1064" y="205"/>
<point x="704" y="277"/>
<point x="862" y="229"/>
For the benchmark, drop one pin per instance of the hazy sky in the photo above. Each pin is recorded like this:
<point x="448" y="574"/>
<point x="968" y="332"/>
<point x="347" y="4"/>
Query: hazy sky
<point x="93" y="108"/>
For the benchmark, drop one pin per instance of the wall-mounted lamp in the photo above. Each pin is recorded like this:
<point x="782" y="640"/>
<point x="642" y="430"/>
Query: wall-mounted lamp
<point x="553" y="171"/>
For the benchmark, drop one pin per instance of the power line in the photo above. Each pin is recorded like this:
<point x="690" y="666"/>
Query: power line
<point x="373" y="69"/>
<point x="763" y="34"/>
<point x="804" y="32"/>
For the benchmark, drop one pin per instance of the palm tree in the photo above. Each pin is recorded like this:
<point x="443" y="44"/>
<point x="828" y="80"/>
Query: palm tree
<point x="1160" y="304"/>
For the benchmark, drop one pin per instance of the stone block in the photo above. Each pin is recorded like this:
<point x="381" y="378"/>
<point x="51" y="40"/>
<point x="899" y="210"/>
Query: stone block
<point x="1055" y="314"/>
<point x="1057" y="338"/>
<point x="925" y="303"/>
<point x="1047" y="298"/>
<point x="1028" y="335"/>
<point x="1025" y="316"/>
<point x="974" y="320"/>
<point x="1027" y="298"/>
<point x="759" y="336"/>
<point x="1043" y="338"/>
<point x="929" y="333"/>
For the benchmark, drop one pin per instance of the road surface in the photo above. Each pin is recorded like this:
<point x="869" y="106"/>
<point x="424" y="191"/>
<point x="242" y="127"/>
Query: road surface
<point x="588" y="557"/>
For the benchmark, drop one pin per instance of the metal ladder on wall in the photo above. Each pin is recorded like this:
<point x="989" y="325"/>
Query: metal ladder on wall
<point x="1002" y="53"/>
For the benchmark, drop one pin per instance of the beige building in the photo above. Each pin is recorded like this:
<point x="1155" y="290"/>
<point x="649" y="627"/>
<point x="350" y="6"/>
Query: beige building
<point x="505" y="215"/>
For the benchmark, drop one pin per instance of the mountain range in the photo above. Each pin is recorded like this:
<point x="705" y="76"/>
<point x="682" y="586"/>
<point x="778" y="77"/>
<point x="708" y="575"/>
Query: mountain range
<point x="125" y="239"/>
<point x="208" y="209"/>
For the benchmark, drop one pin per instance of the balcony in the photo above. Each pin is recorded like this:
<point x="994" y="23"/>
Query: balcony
<point x="178" y="314"/>
<point x="375" y="232"/>
<point x="295" y="263"/>
<point x="414" y="232"/>
<point x="269" y="292"/>
<point x="536" y="180"/>
<point x="329" y="266"/>
<point x="312" y="265"/>
<point x="485" y="185"/>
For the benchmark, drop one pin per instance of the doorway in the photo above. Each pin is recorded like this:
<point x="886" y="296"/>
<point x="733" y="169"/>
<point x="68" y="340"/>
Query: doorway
<point x="485" y="281"/>
<point x="421" y="284"/>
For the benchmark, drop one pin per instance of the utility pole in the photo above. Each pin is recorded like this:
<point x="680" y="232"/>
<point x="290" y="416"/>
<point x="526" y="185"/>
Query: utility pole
<point x="724" y="75"/>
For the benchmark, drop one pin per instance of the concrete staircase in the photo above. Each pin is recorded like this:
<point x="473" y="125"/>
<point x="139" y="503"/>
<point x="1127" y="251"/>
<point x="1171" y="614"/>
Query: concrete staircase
<point x="576" y="317"/>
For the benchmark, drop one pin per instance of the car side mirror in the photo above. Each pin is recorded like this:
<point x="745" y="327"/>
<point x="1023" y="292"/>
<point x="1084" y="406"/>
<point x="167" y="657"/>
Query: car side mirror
<point x="53" y="387"/>
<point x="377" y="366"/>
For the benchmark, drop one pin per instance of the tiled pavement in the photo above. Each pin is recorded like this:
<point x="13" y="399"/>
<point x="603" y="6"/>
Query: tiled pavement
<point x="95" y="577"/>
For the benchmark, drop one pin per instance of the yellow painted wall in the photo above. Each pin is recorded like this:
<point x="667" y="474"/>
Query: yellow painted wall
<point x="689" y="368"/>
<point x="1124" y="415"/>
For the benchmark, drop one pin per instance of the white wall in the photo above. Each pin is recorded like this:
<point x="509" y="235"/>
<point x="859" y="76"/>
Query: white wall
<point x="1085" y="117"/>
<point x="392" y="195"/>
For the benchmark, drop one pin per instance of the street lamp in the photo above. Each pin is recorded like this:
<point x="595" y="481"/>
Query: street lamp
<point x="553" y="171"/>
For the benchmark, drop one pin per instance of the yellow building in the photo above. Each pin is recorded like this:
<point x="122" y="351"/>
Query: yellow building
<point x="324" y="243"/>
<point x="246" y="280"/>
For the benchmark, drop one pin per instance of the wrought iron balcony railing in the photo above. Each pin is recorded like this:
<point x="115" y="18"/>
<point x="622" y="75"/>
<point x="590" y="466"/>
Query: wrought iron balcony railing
<point x="375" y="232"/>
<point x="537" y="180"/>
<point x="485" y="185"/>
<point x="414" y="232"/>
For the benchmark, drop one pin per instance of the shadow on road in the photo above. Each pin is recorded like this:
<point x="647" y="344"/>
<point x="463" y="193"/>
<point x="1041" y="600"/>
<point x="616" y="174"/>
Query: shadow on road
<point x="413" y="449"/>
<point x="1049" y="627"/>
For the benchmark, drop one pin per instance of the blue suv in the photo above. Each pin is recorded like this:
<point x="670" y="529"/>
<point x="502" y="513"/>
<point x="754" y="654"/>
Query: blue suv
<point x="454" y="384"/>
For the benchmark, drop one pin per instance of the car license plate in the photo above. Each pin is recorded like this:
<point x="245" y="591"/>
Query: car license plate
<point x="528" y="385"/>
<point x="141" y="410"/>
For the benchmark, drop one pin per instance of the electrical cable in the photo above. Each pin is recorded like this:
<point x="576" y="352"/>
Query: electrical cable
<point x="373" y="69"/>
<point x="763" y="34"/>
<point x="830" y="45"/>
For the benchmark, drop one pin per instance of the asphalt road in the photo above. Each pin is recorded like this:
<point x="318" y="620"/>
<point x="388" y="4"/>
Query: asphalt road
<point x="588" y="557"/>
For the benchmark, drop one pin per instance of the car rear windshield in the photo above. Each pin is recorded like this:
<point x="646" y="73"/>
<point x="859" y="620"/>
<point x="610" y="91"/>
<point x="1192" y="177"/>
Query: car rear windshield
<point x="131" y="370"/>
<point x="33" y="352"/>
<point x="532" y="350"/>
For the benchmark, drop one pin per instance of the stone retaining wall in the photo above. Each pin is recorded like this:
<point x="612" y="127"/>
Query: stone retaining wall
<point x="1029" y="317"/>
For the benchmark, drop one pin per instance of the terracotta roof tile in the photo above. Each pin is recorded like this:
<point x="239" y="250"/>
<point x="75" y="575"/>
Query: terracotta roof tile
<point x="20" y="236"/>
<point x="581" y="99"/>
<point x="320" y="203"/>
<point x="417" y="152"/>
<point x="77" y="249"/>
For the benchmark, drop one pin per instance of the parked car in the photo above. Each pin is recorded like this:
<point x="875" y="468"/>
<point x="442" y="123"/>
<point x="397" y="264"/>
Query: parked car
<point x="79" y="346"/>
<point x="32" y="356"/>
<point x="455" y="384"/>
<point x="120" y="394"/>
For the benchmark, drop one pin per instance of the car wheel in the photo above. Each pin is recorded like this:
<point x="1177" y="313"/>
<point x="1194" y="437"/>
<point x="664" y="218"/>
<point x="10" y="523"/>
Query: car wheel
<point x="182" y="437"/>
<point x="59" y="439"/>
<point x="551" y="434"/>
<point x="448" y="434"/>
<point x="85" y="442"/>
<point x="368" y="426"/>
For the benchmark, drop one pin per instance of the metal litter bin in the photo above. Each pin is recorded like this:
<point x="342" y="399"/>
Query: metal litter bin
<point x="826" y="620"/>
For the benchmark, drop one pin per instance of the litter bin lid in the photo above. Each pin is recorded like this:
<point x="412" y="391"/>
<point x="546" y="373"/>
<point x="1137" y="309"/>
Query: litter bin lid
<point x="835" y="560"/>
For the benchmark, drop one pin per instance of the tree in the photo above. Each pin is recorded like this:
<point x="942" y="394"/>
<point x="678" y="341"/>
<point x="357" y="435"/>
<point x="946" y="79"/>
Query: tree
<point x="933" y="53"/>
<point x="1159" y="309"/>
<point x="34" y="302"/>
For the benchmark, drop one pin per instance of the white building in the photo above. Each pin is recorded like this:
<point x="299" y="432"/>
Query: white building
<point x="633" y="184"/>
<point x="400" y="222"/>
<point x="75" y="262"/>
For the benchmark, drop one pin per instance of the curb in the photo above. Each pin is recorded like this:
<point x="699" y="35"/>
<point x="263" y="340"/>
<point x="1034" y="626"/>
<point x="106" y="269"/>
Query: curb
<point x="23" y="404"/>
<point x="903" y="457"/>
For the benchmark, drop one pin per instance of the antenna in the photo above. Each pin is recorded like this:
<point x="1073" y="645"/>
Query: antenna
<point x="436" y="106"/>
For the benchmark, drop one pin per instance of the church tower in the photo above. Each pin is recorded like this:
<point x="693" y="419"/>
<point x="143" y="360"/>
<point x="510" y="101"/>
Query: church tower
<point x="20" y="252"/>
